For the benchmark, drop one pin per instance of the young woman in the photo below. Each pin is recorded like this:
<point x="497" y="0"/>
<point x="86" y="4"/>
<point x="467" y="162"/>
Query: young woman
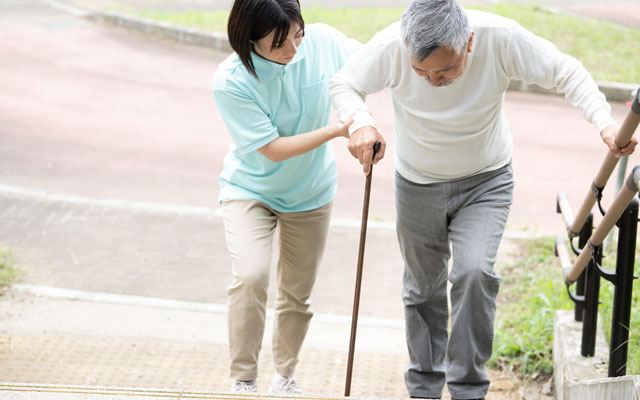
<point x="273" y="96"/>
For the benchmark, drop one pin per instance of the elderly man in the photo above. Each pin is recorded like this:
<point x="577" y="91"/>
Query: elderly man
<point x="448" y="70"/>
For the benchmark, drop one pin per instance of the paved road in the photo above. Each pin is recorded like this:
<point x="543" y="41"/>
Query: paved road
<point x="110" y="145"/>
<point x="102" y="113"/>
<point x="139" y="123"/>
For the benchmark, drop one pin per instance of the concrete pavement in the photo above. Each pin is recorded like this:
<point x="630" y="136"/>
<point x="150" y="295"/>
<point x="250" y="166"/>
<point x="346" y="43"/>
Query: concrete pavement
<point x="109" y="151"/>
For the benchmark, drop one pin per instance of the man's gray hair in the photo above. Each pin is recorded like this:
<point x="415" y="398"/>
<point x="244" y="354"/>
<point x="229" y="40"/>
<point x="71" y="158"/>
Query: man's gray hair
<point x="429" y="24"/>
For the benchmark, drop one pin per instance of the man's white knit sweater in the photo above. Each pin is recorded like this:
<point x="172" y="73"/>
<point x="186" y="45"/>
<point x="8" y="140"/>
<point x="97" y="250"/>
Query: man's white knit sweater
<point x="450" y="132"/>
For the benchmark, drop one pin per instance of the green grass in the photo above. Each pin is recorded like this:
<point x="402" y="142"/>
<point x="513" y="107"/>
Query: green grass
<point x="610" y="52"/>
<point x="358" y="23"/>
<point x="8" y="272"/>
<point x="531" y="292"/>
<point x="215" y="21"/>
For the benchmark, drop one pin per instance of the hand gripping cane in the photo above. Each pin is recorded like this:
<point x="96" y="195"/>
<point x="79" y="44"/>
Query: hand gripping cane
<point x="356" y="297"/>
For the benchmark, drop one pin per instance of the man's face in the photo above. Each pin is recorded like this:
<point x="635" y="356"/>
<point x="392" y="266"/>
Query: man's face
<point x="442" y="66"/>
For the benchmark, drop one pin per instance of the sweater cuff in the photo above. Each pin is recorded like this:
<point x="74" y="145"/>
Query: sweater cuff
<point x="603" y="119"/>
<point x="361" y="119"/>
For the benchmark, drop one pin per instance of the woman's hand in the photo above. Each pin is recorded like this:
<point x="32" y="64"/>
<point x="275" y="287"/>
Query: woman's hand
<point x="284" y="147"/>
<point x="341" y="129"/>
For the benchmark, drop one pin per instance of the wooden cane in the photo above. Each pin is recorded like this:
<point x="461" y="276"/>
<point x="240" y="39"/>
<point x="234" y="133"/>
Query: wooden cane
<point x="356" y="297"/>
<point x="625" y="134"/>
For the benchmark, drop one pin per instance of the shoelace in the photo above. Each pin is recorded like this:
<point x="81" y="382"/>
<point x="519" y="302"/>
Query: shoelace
<point x="246" y="386"/>
<point x="290" y="386"/>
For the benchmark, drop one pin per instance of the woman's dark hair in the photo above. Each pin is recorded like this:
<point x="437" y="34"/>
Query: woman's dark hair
<point x="251" y="20"/>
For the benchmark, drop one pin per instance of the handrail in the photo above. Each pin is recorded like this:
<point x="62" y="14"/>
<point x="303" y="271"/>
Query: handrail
<point x="616" y="209"/>
<point x="625" y="134"/>
<point x="563" y="254"/>
<point x="564" y="208"/>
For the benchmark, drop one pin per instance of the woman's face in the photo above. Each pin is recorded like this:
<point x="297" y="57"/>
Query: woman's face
<point x="283" y="54"/>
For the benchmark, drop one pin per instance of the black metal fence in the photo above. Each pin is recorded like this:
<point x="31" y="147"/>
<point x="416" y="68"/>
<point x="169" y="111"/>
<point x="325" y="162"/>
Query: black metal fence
<point x="587" y="288"/>
<point x="587" y="269"/>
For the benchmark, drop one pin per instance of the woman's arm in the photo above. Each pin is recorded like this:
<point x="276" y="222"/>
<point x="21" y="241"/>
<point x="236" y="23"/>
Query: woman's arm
<point x="285" y="147"/>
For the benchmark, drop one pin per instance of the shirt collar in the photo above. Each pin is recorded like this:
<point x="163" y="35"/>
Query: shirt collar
<point x="268" y="70"/>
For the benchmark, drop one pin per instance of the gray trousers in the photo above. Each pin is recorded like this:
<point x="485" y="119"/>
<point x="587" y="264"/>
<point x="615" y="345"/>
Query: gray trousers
<point x="465" y="217"/>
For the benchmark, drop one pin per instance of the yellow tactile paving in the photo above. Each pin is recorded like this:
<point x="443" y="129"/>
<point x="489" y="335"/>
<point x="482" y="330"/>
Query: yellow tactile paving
<point x="173" y="365"/>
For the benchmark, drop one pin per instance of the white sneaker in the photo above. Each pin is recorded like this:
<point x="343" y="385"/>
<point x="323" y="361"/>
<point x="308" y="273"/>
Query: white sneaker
<point x="244" y="387"/>
<point x="284" y="385"/>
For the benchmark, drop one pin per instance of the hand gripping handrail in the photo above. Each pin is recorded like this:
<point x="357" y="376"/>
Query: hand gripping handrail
<point x="622" y="200"/>
<point x="625" y="134"/>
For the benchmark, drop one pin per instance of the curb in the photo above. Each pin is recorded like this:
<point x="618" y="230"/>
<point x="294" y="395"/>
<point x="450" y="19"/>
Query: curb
<point x="613" y="91"/>
<point x="584" y="378"/>
<point x="163" y="29"/>
<point x="619" y="92"/>
<point x="210" y="212"/>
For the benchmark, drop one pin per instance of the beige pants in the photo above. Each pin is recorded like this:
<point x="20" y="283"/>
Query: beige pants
<point x="250" y="227"/>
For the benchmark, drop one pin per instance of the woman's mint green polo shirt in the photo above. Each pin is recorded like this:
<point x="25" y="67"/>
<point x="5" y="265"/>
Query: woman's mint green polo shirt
<point x="286" y="100"/>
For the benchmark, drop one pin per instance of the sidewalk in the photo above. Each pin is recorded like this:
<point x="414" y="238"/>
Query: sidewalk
<point x="127" y="341"/>
<point x="132" y="295"/>
<point x="110" y="149"/>
<point x="166" y="326"/>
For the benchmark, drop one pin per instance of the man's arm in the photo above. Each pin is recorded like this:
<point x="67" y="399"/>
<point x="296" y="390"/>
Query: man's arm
<point x="368" y="71"/>
<point x="535" y="60"/>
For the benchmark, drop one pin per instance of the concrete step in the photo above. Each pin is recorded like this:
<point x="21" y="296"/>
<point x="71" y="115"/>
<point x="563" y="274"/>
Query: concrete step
<point x="52" y="338"/>
<point x="18" y="391"/>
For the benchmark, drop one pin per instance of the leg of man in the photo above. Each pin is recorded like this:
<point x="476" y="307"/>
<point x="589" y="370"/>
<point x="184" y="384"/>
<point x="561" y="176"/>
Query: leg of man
<point x="303" y="236"/>
<point x="424" y="244"/>
<point x="249" y="228"/>
<point x="480" y="207"/>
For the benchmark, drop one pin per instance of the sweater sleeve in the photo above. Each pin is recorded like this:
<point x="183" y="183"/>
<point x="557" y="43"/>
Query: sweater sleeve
<point x="367" y="71"/>
<point x="532" y="59"/>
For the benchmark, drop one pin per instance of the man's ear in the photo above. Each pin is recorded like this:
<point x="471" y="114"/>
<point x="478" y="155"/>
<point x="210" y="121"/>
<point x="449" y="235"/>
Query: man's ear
<point x="470" y="45"/>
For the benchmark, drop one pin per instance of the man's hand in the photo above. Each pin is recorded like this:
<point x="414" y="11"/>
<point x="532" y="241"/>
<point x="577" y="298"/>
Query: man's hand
<point x="361" y="146"/>
<point x="608" y="136"/>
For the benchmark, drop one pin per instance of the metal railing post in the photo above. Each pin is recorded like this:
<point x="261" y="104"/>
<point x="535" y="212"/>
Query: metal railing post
<point x="592" y="297"/>
<point x="625" y="261"/>
<point x="583" y="239"/>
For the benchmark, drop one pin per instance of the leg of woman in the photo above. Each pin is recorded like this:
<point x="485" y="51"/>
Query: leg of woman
<point x="249" y="228"/>
<point x="303" y="237"/>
